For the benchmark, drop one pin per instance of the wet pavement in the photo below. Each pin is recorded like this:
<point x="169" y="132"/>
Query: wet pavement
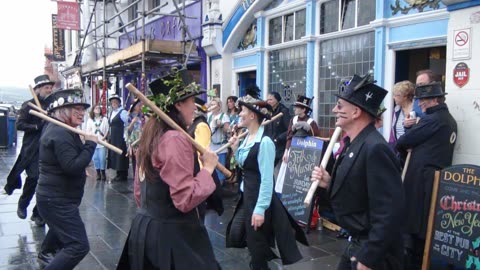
<point x="107" y="210"/>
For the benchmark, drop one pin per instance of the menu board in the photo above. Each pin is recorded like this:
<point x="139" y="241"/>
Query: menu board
<point x="305" y="153"/>
<point x="453" y="238"/>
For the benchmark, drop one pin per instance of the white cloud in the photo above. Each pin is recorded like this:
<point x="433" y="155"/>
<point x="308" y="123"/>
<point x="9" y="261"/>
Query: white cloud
<point x="26" y="31"/>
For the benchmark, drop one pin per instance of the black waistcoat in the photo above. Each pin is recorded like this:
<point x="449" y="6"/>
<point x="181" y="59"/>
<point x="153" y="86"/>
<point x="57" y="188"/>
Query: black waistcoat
<point x="169" y="238"/>
<point x="116" y="161"/>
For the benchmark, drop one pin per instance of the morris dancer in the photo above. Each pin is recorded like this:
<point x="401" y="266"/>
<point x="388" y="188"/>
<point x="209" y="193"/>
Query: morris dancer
<point x="365" y="187"/>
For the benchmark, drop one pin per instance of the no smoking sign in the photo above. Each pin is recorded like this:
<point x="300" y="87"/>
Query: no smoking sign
<point x="461" y="38"/>
<point x="462" y="44"/>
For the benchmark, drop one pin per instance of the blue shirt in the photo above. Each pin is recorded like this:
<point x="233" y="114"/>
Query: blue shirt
<point x="265" y="161"/>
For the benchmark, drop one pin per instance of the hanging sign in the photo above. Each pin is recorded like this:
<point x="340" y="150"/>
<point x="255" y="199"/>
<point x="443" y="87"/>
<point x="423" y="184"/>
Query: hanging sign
<point x="461" y="74"/>
<point x="68" y="15"/>
<point x="462" y="44"/>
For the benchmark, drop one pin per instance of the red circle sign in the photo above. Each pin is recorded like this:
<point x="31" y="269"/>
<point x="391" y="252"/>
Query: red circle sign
<point x="461" y="74"/>
<point x="461" y="38"/>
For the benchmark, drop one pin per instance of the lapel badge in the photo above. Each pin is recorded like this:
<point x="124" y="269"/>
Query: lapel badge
<point x="350" y="155"/>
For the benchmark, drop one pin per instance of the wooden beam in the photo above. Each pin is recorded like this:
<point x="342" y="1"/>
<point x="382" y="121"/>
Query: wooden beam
<point x="157" y="46"/>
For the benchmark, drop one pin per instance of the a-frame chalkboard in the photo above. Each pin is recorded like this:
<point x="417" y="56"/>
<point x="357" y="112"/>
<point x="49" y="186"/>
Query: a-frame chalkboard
<point x="453" y="236"/>
<point x="305" y="153"/>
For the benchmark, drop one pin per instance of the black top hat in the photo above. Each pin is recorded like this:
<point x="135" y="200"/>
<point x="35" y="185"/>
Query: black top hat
<point x="115" y="96"/>
<point x="304" y="102"/>
<point x="174" y="88"/>
<point x="429" y="90"/>
<point x="200" y="103"/>
<point x="42" y="80"/>
<point x="64" y="98"/>
<point x="256" y="105"/>
<point x="362" y="92"/>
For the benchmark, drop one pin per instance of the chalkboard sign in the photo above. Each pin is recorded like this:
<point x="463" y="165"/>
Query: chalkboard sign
<point x="305" y="153"/>
<point x="453" y="238"/>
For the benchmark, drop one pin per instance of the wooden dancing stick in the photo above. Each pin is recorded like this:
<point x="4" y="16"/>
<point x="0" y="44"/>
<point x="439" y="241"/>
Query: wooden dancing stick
<point x="147" y="102"/>
<point x="78" y="131"/>
<point x="37" y="102"/>
<point x="243" y="134"/>
<point x="407" y="160"/>
<point x="326" y="157"/>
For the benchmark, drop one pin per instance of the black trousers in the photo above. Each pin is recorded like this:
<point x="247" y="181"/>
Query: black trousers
<point x="29" y="187"/>
<point x="241" y="230"/>
<point x="414" y="247"/>
<point x="390" y="262"/>
<point x="67" y="232"/>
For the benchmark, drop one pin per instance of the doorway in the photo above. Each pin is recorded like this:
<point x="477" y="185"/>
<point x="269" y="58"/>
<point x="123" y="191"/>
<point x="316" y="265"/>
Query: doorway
<point x="245" y="80"/>
<point x="408" y="62"/>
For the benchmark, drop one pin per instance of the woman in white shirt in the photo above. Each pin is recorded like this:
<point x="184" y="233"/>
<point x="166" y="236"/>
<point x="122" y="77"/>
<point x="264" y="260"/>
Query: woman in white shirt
<point x="219" y="123"/>
<point x="98" y="124"/>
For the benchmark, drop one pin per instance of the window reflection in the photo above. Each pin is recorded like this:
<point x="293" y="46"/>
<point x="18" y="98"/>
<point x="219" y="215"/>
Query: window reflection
<point x="341" y="58"/>
<point x="287" y="73"/>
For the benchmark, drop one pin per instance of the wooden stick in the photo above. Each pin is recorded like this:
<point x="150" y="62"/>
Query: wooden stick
<point x="326" y="157"/>
<point x="243" y="134"/>
<point x="431" y="220"/>
<point x="407" y="160"/>
<point x="172" y="124"/>
<point x="78" y="131"/>
<point x="37" y="102"/>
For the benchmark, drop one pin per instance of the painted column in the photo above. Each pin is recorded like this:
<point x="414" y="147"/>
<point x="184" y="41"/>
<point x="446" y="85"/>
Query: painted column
<point x="260" y="55"/>
<point x="309" y="33"/>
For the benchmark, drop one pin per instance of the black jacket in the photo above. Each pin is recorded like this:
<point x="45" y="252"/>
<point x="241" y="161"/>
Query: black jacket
<point x="367" y="198"/>
<point x="277" y="130"/>
<point x="32" y="128"/>
<point x="63" y="160"/>
<point x="432" y="141"/>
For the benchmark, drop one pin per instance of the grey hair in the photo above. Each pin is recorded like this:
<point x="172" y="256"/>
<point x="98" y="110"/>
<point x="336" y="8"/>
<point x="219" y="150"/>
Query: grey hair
<point x="63" y="114"/>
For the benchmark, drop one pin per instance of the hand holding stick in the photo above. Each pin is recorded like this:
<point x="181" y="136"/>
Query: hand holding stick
<point x="171" y="123"/>
<point x="243" y="134"/>
<point x="78" y="131"/>
<point x="326" y="157"/>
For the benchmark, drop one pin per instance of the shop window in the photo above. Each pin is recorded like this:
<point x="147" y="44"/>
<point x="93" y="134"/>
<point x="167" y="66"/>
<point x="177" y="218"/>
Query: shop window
<point x="287" y="73"/>
<point x="337" y="15"/>
<point x="287" y="27"/>
<point x="340" y="59"/>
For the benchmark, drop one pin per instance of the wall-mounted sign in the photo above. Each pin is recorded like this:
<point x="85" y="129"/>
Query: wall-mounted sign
<point x="58" y="39"/>
<point x="461" y="74"/>
<point x="462" y="42"/>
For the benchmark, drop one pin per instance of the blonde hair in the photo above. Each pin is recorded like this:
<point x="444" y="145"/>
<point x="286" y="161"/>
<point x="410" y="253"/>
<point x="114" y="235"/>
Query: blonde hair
<point x="219" y="102"/>
<point x="405" y="88"/>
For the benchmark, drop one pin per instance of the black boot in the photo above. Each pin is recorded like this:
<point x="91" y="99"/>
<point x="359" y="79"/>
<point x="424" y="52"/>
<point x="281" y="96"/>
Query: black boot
<point x="98" y="175"/>
<point x="103" y="176"/>
<point x="121" y="176"/>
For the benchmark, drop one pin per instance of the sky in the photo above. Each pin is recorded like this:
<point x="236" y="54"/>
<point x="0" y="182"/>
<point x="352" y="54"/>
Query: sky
<point x="25" y="31"/>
